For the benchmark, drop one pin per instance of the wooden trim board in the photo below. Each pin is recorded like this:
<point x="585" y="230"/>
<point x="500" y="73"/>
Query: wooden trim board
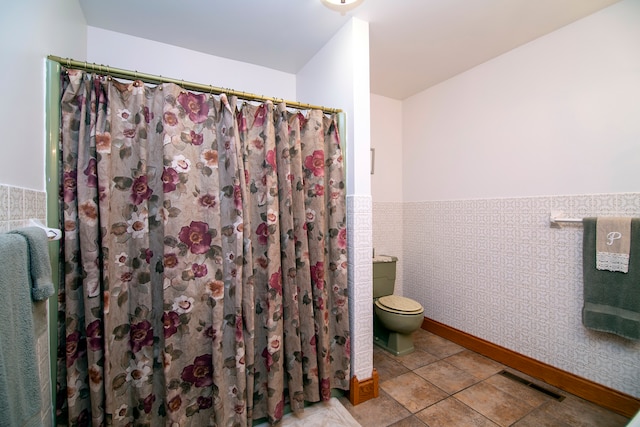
<point x="361" y="391"/>
<point x="606" y="397"/>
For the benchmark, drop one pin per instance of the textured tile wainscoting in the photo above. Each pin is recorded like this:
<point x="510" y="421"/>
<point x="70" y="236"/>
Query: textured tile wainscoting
<point x="387" y="235"/>
<point x="17" y="206"/>
<point x="360" y="291"/>
<point x="495" y="269"/>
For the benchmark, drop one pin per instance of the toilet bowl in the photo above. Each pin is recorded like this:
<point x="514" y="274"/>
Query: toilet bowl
<point x="395" y="317"/>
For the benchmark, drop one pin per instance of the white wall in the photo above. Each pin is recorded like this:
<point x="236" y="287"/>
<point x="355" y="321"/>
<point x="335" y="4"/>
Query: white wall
<point x="147" y="56"/>
<point x="338" y="76"/>
<point x="386" y="181"/>
<point x="29" y="31"/>
<point x="559" y="115"/>
<point x="387" y="140"/>
<point x="488" y="154"/>
<point x="344" y="64"/>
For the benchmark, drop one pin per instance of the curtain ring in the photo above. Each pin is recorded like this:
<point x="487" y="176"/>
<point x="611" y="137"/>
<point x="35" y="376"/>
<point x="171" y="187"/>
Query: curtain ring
<point x="68" y="62"/>
<point x="108" y="73"/>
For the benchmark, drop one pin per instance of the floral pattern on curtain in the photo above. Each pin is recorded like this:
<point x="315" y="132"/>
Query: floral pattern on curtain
<point x="205" y="269"/>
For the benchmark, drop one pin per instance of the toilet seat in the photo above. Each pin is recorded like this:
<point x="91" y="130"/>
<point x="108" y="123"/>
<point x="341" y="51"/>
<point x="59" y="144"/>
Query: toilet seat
<point x="399" y="305"/>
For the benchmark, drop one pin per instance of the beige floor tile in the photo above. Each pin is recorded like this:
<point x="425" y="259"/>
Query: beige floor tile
<point x="411" y="421"/>
<point x="446" y="376"/>
<point x="479" y="366"/>
<point x="434" y="344"/>
<point x="386" y="365"/>
<point x="500" y="407"/>
<point x="382" y="411"/>
<point x="451" y="412"/>
<point x="539" y="418"/>
<point x="578" y="412"/>
<point x="416" y="359"/>
<point x="412" y="391"/>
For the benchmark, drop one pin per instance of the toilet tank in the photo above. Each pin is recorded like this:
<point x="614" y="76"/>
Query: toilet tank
<point x="384" y="275"/>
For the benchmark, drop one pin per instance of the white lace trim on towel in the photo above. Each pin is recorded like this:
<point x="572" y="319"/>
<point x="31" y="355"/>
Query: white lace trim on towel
<point x="612" y="262"/>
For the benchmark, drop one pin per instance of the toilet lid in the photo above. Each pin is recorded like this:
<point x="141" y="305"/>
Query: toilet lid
<point x="398" y="304"/>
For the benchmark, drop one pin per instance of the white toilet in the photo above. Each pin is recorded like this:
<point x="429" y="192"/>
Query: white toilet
<point x="396" y="317"/>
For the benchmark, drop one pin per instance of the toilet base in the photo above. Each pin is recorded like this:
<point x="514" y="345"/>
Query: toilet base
<point x="394" y="342"/>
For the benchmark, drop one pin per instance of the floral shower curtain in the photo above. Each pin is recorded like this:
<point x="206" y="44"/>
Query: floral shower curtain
<point x="205" y="271"/>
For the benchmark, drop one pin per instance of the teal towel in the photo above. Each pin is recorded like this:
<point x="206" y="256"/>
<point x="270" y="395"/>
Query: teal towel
<point x="39" y="262"/>
<point x="611" y="298"/>
<point x="20" y="400"/>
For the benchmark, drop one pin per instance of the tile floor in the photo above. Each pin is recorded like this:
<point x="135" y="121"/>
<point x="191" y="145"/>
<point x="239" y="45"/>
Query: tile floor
<point x="444" y="384"/>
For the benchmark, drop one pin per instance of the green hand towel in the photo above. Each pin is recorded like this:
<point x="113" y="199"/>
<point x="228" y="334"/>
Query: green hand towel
<point x="611" y="298"/>
<point x="39" y="262"/>
<point x="20" y="400"/>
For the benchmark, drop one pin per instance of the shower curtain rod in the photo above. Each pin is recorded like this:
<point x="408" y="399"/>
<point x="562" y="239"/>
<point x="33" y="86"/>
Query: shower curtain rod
<point x="150" y="78"/>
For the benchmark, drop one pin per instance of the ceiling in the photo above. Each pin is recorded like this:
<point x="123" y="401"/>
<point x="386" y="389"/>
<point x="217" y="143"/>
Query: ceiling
<point x="414" y="44"/>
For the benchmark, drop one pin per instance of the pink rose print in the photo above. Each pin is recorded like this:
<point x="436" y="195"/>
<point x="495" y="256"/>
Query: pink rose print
<point x="237" y="196"/>
<point x="315" y="163"/>
<point x="94" y="335"/>
<point x="199" y="270"/>
<point x="170" y="180"/>
<point x="200" y="373"/>
<point x="271" y="158"/>
<point x="275" y="281"/>
<point x="342" y="238"/>
<point x="260" y="116"/>
<point x="242" y="121"/>
<point x="91" y="173"/>
<point x="140" y="191"/>
<point x="263" y="233"/>
<point x="195" y="106"/>
<point x="170" y="321"/>
<point x="325" y="389"/>
<point x="76" y="347"/>
<point x="196" y="138"/>
<point x="268" y="358"/>
<point x="302" y="119"/>
<point x="140" y="335"/>
<point x="317" y="275"/>
<point x="239" y="329"/>
<point x="148" y="116"/>
<point x="196" y="236"/>
<point x="148" y="401"/>
<point x="147" y="254"/>
<point x="279" y="411"/>
<point x="208" y="201"/>
<point x="69" y="185"/>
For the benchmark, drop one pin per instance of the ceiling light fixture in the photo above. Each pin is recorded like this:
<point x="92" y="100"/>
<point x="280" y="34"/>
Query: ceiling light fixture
<point x="342" y="6"/>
